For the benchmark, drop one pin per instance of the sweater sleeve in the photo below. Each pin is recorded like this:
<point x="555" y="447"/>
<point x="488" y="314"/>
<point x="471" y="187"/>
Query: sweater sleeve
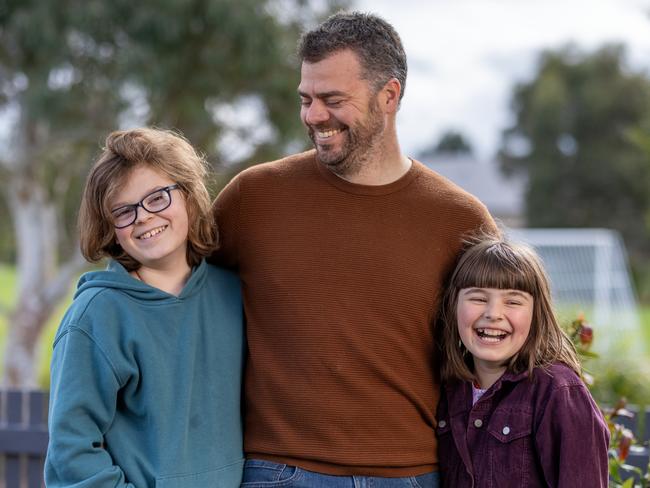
<point x="83" y="395"/>
<point x="226" y="210"/>
<point x="488" y="224"/>
<point x="572" y="440"/>
<point x="481" y="220"/>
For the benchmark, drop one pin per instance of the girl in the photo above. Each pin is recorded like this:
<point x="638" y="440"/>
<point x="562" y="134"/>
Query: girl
<point x="146" y="368"/>
<point x="514" y="411"/>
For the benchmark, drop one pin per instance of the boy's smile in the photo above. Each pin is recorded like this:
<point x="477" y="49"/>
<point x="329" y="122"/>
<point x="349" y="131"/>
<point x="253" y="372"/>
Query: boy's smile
<point x="156" y="240"/>
<point x="151" y="233"/>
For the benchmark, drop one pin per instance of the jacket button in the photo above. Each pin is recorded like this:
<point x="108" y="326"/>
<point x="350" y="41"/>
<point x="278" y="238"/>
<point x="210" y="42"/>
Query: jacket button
<point x="442" y="424"/>
<point x="506" y="430"/>
<point x="478" y="423"/>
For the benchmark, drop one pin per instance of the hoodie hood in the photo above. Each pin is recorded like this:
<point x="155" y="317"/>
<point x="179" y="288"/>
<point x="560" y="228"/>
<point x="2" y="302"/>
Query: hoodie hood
<point x="117" y="277"/>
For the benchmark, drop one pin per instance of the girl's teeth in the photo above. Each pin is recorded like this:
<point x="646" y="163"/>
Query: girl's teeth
<point x="491" y="335"/>
<point x="491" y="339"/>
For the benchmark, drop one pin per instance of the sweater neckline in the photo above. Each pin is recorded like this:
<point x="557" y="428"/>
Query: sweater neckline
<point x="372" y="190"/>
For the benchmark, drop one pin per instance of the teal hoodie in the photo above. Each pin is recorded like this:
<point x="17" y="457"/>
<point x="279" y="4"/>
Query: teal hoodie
<point x="145" y="386"/>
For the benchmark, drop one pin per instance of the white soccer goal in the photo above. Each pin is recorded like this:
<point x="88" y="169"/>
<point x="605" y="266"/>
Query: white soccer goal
<point x="588" y="270"/>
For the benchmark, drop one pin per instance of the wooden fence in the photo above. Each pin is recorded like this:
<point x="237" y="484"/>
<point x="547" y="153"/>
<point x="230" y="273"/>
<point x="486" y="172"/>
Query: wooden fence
<point x="23" y="438"/>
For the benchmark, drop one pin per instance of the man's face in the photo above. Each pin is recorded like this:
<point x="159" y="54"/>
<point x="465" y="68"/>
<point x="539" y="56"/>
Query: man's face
<point x="340" y="111"/>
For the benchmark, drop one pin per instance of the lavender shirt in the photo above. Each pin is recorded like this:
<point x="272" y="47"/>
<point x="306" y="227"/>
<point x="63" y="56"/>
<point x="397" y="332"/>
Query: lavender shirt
<point x="542" y="432"/>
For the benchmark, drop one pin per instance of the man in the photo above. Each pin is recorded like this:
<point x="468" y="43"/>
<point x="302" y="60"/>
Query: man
<point x="342" y="252"/>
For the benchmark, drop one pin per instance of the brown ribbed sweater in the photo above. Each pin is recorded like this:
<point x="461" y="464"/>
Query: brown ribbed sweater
<point x="341" y="283"/>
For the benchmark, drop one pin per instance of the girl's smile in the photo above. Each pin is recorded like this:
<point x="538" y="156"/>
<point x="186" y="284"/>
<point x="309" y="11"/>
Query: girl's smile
<point x="493" y="324"/>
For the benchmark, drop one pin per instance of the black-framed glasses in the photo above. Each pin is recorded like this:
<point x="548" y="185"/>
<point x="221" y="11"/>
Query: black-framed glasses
<point x="154" y="202"/>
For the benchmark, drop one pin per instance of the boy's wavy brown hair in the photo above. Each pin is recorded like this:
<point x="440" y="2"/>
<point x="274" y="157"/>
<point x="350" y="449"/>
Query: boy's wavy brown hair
<point x="164" y="151"/>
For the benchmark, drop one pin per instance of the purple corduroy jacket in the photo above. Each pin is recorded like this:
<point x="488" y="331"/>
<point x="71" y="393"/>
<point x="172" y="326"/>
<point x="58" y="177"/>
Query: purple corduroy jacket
<point x="545" y="431"/>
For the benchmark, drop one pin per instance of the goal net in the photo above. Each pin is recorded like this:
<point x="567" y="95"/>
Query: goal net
<point x="588" y="270"/>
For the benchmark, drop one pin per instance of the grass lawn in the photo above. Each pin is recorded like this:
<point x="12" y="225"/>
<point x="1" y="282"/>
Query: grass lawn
<point x="644" y="313"/>
<point x="7" y="298"/>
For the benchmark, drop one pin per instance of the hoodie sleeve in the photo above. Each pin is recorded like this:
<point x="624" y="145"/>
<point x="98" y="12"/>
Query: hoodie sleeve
<point x="84" y="388"/>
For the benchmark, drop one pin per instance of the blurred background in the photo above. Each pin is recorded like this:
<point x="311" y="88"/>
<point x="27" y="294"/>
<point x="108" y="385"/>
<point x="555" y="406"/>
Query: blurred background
<point x="539" y="107"/>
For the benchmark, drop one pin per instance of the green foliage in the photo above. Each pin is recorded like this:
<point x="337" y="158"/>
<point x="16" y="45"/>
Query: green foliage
<point x="7" y="246"/>
<point x="621" y="377"/>
<point x="192" y="55"/>
<point x="641" y="278"/>
<point x="621" y="438"/>
<point x="621" y="441"/>
<point x="7" y="288"/>
<point x="644" y="313"/>
<point x="580" y="134"/>
<point x="7" y="299"/>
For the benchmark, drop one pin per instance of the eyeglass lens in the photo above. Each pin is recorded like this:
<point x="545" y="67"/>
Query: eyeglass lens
<point x="152" y="203"/>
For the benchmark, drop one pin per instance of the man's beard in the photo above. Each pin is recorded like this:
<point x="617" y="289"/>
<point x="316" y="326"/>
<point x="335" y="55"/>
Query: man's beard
<point x="360" y="144"/>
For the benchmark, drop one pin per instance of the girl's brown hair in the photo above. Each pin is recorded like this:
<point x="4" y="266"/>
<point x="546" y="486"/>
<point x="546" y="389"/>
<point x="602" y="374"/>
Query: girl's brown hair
<point x="493" y="262"/>
<point x="164" y="151"/>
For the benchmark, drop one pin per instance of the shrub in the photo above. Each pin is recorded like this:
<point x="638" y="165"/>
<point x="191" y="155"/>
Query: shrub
<point x="621" y="438"/>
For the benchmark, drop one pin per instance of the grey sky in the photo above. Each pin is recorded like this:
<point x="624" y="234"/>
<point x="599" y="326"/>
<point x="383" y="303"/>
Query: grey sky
<point x="466" y="55"/>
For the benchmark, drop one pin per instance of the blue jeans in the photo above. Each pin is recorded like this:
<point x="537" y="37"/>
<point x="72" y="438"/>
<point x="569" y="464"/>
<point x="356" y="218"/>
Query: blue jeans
<point x="267" y="474"/>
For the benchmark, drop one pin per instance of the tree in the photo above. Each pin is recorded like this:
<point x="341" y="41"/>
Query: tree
<point x="576" y="136"/>
<point x="73" y="70"/>
<point x="452" y="143"/>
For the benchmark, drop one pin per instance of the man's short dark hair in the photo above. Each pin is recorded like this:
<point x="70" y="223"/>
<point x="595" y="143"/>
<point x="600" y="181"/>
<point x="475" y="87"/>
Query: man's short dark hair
<point x="370" y="37"/>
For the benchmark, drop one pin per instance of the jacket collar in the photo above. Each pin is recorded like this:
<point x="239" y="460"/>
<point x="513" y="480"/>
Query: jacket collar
<point x="459" y="392"/>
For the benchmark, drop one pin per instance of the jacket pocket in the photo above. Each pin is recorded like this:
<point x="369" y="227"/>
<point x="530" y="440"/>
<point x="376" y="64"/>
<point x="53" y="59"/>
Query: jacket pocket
<point x="228" y="476"/>
<point x="511" y="450"/>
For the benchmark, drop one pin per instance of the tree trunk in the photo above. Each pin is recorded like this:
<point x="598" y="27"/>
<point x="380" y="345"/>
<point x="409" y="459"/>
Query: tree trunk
<point x="41" y="283"/>
<point x="20" y="360"/>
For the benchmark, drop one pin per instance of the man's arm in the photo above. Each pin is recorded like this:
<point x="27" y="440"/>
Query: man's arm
<point x="226" y="210"/>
